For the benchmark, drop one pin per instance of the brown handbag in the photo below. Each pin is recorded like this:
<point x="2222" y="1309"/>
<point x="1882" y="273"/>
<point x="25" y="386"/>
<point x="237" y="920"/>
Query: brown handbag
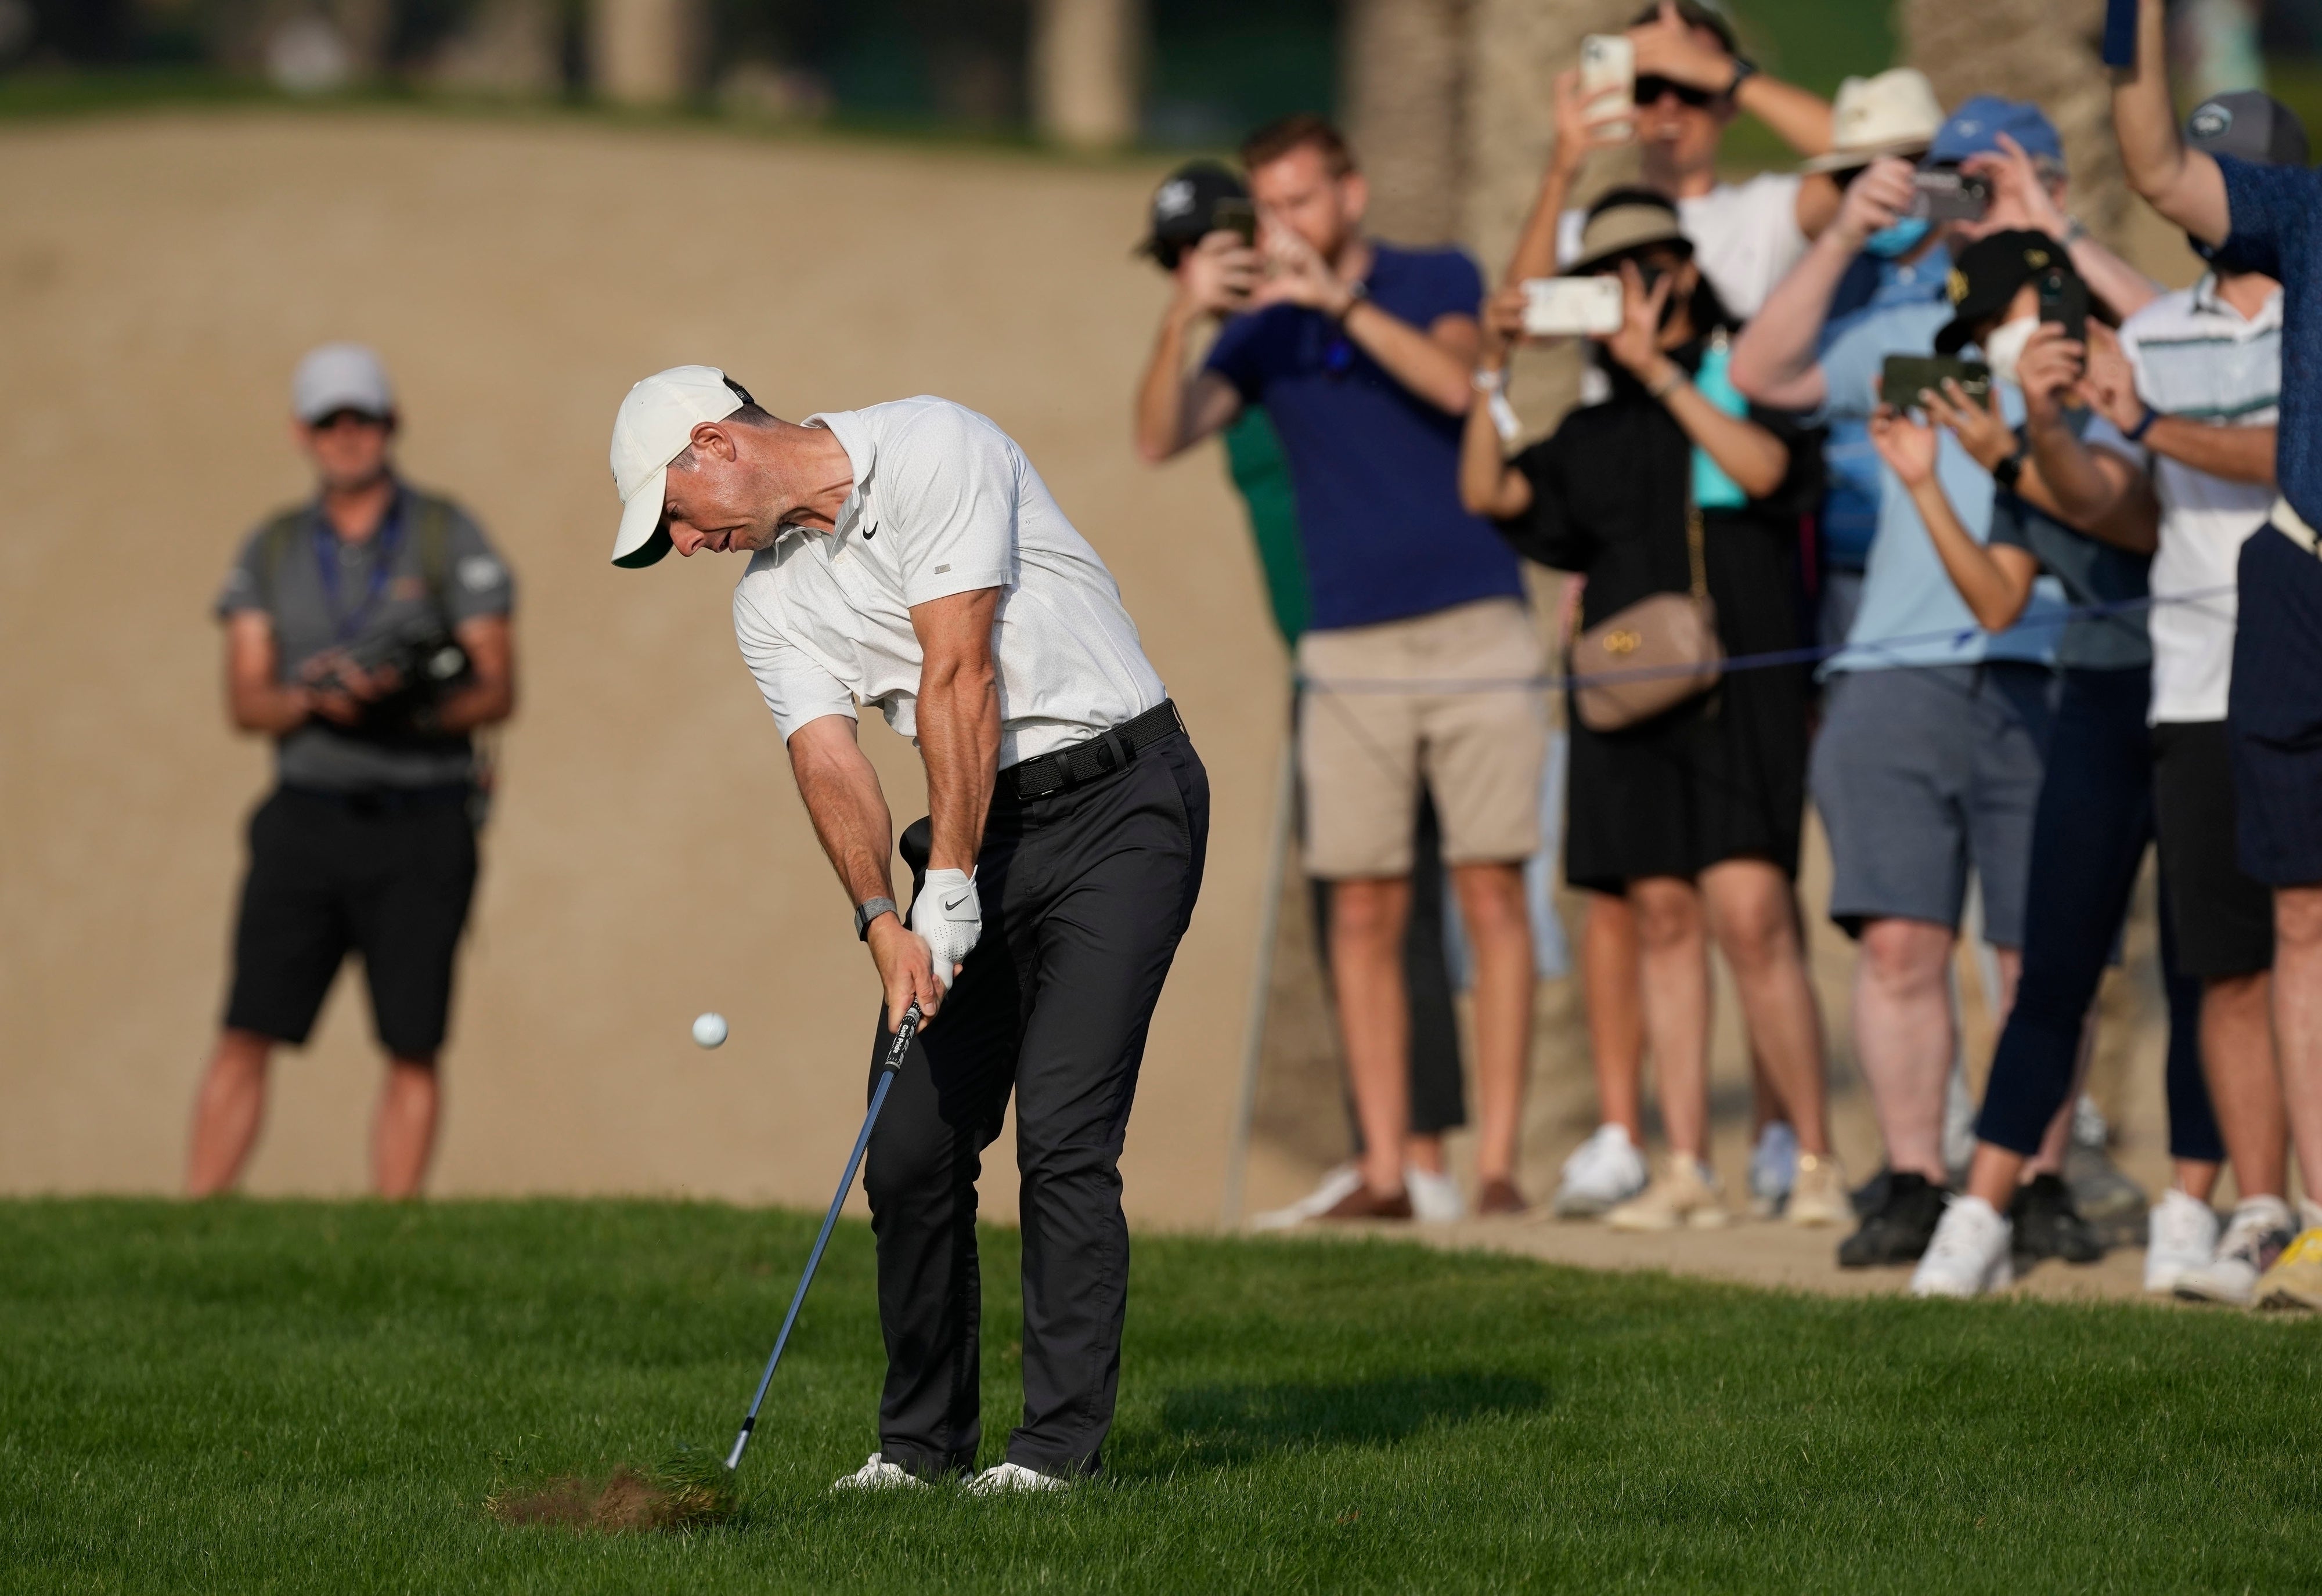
<point x="1658" y="651"/>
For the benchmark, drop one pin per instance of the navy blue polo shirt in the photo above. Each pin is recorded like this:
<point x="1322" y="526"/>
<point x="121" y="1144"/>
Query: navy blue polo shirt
<point x="1373" y="467"/>
<point x="2275" y="211"/>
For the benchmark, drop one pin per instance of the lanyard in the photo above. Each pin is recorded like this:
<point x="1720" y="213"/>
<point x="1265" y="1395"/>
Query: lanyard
<point x="346" y="625"/>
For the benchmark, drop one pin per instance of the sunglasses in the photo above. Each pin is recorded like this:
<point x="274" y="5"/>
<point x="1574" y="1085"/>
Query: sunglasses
<point x="1650" y="89"/>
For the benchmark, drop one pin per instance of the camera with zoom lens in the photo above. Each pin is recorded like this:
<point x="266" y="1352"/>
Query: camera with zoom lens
<point x="429" y="666"/>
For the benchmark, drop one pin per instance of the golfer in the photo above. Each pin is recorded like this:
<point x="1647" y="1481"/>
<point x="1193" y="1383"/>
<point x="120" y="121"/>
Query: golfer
<point x="909" y="555"/>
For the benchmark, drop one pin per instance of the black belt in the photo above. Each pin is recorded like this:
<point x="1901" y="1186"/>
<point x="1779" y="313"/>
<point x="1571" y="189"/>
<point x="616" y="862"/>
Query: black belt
<point x="386" y="800"/>
<point x="1101" y="755"/>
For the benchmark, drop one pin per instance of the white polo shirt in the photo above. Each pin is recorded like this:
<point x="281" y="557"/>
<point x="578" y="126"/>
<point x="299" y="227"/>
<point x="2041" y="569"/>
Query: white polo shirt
<point x="944" y="503"/>
<point x="2197" y="358"/>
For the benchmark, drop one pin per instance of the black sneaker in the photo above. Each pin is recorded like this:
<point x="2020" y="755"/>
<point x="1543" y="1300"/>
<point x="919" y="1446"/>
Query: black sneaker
<point x="1872" y="1196"/>
<point x="2047" y="1224"/>
<point x="1901" y="1228"/>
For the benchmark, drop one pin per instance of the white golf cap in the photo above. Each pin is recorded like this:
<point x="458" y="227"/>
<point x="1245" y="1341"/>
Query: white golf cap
<point x="1894" y="113"/>
<point x="653" y="426"/>
<point x="340" y="377"/>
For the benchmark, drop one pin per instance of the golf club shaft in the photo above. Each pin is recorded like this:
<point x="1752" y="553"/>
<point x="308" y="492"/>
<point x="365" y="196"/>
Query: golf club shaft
<point x="896" y="1049"/>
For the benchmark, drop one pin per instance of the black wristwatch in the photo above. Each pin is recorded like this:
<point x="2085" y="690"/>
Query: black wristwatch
<point x="864" y="913"/>
<point x="1744" y="70"/>
<point x="2135" y="435"/>
<point x="2007" y="470"/>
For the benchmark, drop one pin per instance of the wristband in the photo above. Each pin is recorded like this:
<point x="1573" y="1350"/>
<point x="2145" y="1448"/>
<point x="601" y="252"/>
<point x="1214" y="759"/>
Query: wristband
<point x="2075" y="230"/>
<point x="2135" y="435"/>
<point x="1744" y="70"/>
<point x="1668" y="384"/>
<point x="868" y="911"/>
<point x="1489" y="380"/>
<point x="2009" y="471"/>
<point x="1357" y="293"/>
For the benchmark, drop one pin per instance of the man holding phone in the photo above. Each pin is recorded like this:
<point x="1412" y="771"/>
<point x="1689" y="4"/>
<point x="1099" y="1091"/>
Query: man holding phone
<point x="1363" y="355"/>
<point x="1930" y="755"/>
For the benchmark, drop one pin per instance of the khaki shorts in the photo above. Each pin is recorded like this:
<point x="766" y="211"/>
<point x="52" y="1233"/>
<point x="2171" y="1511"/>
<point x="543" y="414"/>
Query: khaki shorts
<point x="1478" y="741"/>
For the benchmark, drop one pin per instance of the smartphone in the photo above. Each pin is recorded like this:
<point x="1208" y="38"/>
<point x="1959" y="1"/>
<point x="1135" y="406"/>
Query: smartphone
<point x="1946" y="195"/>
<point x="1608" y="67"/>
<point x="1571" y="307"/>
<point x="2064" y="299"/>
<point x="1903" y="377"/>
<point x="1235" y="215"/>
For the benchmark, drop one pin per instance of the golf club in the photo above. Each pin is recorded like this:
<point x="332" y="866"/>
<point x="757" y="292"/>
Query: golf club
<point x="896" y="1049"/>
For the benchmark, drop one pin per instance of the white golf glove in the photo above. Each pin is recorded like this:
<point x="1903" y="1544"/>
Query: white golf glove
<point x="949" y="915"/>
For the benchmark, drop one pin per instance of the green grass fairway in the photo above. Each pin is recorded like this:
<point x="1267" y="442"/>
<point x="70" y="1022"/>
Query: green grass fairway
<point x="260" y="1397"/>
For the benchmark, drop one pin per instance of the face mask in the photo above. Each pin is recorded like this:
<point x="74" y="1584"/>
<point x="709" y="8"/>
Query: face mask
<point x="2005" y="346"/>
<point x="1896" y="237"/>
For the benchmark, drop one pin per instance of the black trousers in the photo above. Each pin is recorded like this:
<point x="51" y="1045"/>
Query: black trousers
<point x="1085" y="895"/>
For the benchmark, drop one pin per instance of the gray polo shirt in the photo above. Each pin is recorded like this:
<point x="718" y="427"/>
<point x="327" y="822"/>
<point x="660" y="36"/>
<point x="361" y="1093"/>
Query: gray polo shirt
<point x="322" y="593"/>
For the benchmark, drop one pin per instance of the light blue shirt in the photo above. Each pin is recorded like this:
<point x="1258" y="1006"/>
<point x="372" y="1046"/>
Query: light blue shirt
<point x="1850" y="462"/>
<point x="1906" y="594"/>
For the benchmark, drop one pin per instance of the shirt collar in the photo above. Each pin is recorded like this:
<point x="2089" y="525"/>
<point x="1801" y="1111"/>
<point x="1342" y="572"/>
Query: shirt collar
<point x="853" y="435"/>
<point x="319" y="521"/>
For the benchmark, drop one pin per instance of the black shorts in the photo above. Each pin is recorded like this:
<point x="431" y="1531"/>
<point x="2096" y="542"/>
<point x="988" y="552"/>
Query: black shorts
<point x="2274" y="712"/>
<point x="2223" y="919"/>
<point x="389" y="877"/>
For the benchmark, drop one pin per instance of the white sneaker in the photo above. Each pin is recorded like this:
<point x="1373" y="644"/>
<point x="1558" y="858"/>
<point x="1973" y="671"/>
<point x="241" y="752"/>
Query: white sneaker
<point x="2181" y="1235"/>
<point x="1969" y="1254"/>
<point x="1009" y="1478"/>
<point x="2254" y="1239"/>
<point x="1339" y="1184"/>
<point x="879" y="1475"/>
<point x="1603" y="1171"/>
<point x="1435" y="1196"/>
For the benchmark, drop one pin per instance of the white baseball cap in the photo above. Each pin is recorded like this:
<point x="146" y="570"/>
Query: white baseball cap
<point x="653" y="427"/>
<point x="340" y="377"/>
<point x="1894" y="113"/>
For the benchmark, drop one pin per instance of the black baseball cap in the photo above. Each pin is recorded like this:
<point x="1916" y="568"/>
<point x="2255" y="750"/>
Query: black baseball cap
<point x="1986" y="275"/>
<point x="2249" y="126"/>
<point x="1185" y="207"/>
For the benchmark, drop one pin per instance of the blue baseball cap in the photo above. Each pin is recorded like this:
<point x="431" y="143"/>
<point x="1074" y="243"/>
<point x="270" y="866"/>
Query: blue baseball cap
<point x="1974" y="129"/>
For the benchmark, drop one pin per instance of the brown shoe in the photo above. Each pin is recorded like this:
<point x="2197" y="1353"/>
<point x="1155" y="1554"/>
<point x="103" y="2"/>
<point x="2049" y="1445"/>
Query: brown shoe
<point x="1363" y="1203"/>
<point x="1501" y="1198"/>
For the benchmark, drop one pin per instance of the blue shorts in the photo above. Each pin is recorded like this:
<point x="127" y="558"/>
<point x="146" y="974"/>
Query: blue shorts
<point x="1922" y="771"/>
<point x="2274" y="711"/>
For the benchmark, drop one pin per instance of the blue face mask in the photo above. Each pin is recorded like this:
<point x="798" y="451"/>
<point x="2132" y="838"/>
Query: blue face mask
<point x="1898" y="238"/>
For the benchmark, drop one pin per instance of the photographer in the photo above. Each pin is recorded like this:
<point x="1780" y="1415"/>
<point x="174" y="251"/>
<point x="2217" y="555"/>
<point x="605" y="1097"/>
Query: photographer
<point x="1693" y="813"/>
<point x="2074" y="502"/>
<point x="2258" y="216"/>
<point x="1930" y="754"/>
<point x="1200" y="201"/>
<point x="1362" y="354"/>
<point x="367" y="632"/>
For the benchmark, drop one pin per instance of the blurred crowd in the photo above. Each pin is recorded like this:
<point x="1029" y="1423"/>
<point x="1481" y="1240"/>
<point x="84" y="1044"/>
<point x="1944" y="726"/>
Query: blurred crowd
<point x="1890" y="490"/>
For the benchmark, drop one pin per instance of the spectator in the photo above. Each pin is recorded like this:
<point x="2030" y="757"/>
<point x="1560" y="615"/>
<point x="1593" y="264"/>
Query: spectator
<point x="1693" y="814"/>
<point x="1690" y="85"/>
<point x="2095" y="811"/>
<point x="367" y="631"/>
<point x="1187" y="210"/>
<point x="1929" y="759"/>
<point x="2261" y="217"/>
<point x="1362" y="354"/>
<point x="1893" y="114"/>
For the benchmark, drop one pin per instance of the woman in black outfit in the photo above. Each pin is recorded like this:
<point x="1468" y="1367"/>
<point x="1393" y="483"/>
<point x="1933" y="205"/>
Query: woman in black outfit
<point x="1694" y="815"/>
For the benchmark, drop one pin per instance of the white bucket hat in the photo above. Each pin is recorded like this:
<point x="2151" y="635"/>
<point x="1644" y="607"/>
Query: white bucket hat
<point x="1894" y="113"/>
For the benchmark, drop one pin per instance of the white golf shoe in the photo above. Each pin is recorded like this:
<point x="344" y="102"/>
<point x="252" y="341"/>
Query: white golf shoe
<point x="1010" y="1478"/>
<point x="2254" y="1239"/>
<point x="879" y="1475"/>
<point x="1603" y="1173"/>
<point x="1340" y="1184"/>
<point x="2179" y="1237"/>
<point x="1969" y="1254"/>
<point x="1435" y="1196"/>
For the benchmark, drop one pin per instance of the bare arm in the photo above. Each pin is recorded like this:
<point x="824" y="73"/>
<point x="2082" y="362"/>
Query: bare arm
<point x="490" y="643"/>
<point x="1800" y="117"/>
<point x="254" y="700"/>
<point x="1995" y="582"/>
<point x="2183" y="185"/>
<point x="1581" y="130"/>
<point x="1437" y="364"/>
<point x="2094" y="490"/>
<point x="1774" y="359"/>
<point x="2236" y="453"/>
<point x="1668" y="47"/>
<point x="1176" y="409"/>
<point x="851" y="821"/>
<point x="958" y="720"/>
<point x="1488" y="485"/>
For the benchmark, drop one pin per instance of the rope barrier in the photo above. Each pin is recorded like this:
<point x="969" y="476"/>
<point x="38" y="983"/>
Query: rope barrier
<point x="1952" y="637"/>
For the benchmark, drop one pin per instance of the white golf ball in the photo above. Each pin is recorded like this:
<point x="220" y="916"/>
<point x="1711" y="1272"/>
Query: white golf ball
<point x="709" y="1029"/>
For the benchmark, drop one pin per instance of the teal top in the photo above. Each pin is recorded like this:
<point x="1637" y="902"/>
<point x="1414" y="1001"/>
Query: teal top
<point x="1262" y="477"/>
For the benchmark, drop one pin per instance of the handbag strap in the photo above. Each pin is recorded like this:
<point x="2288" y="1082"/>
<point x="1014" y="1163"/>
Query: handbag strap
<point x="1694" y="553"/>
